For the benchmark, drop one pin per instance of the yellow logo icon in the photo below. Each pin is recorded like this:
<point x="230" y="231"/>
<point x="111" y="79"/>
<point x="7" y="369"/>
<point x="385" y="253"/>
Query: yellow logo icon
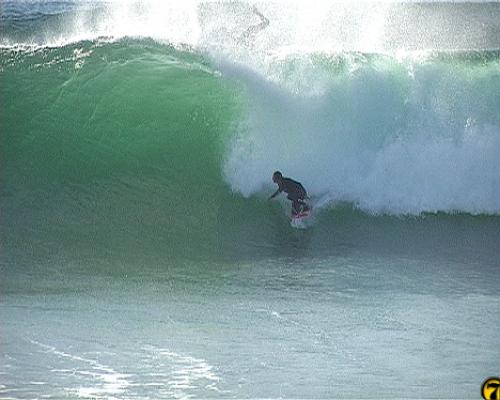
<point x="491" y="389"/>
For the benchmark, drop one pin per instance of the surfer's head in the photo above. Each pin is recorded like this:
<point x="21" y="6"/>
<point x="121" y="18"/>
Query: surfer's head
<point x="277" y="176"/>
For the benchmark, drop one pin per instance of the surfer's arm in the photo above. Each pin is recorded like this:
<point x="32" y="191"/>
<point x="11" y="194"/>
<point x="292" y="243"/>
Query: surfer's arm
<point x="275" y="194"/>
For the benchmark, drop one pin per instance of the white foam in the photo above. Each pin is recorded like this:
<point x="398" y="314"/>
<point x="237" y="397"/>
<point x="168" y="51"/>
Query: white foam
<point x="107" y="383"/>
<point x="187" y="373"/>
<point x="388" y="138"/>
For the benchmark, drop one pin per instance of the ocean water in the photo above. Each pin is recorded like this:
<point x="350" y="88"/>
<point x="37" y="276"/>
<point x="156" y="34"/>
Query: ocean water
<point x="140" y="257"/>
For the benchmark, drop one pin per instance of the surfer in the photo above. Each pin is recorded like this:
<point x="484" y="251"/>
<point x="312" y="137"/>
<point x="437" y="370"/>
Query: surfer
<point x="296" y="192"/>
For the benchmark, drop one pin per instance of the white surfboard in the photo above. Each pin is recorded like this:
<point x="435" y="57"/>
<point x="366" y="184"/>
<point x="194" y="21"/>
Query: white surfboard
<point x="302" y="220"/>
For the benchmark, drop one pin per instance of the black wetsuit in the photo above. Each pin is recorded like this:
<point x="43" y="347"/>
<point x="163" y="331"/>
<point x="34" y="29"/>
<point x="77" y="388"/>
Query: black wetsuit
<point x="296" y="193"/>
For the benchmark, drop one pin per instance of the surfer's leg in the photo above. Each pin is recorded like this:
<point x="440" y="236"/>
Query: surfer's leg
<point x="296" y="206"/>
<point x="303" y="205"/>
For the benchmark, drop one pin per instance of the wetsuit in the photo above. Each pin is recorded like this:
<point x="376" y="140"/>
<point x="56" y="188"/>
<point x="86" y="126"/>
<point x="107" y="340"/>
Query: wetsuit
<point x="296" y="193"/>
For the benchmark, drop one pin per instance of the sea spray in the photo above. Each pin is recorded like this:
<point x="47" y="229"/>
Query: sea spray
<point x="402" y="137"/>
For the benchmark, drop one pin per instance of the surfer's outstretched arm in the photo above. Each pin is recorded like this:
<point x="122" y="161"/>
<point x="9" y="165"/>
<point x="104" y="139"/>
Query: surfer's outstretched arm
<point x="274" y="194"/>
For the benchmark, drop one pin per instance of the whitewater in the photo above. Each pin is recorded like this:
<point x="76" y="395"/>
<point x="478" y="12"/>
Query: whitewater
<point x="140" y="257"/>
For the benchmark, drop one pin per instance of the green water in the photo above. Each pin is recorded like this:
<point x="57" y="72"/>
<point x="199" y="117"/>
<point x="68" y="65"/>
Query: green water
<point x="143" y="131"/>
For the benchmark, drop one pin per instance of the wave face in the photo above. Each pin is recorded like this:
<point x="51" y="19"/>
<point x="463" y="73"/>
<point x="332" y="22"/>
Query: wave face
<point x="120" y="129"/>
<point x="121" y="137"/>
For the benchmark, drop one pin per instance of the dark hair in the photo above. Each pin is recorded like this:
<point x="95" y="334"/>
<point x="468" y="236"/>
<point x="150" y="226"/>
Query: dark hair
<point x="277" y="174"/>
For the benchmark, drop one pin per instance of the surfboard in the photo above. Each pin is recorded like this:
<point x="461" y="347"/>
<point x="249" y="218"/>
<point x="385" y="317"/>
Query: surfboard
<point x="301" y="220"/>
<point x="302" y="214"/>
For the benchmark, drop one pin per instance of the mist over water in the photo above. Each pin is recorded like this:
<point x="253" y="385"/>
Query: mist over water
<point x="368" y="26"/>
